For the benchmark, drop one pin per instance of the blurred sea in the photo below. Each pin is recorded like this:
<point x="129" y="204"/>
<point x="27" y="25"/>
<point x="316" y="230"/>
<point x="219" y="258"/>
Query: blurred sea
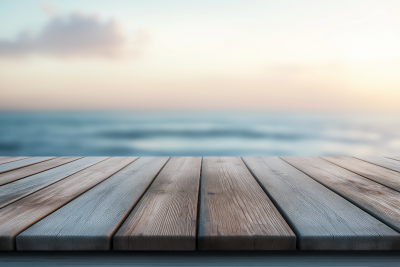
<point x="197" y="134"/>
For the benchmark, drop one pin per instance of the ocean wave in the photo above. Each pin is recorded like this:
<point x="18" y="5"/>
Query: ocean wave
<point x="211" y="133"/>
<point x="126" y="134"/>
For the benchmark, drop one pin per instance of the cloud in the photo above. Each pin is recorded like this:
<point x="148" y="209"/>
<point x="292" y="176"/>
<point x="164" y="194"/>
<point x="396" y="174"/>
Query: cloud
<point x="49" y="9"/>
<point x="74" y="35"/>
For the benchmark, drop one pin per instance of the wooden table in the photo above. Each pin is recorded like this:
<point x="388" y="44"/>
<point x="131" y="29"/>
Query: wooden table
<point x="194" y="203"/>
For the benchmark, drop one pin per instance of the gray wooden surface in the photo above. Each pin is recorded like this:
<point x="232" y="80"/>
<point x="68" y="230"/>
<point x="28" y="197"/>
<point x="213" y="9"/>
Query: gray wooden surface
<point x="89" y="221"/>
<point x="201" y="258"/>
<point x="21" y="214"/>
<point x="11" y="192"/>
<point x="165" y="217"/>
<point x="214" y="204"/>
<point x="371" y="171"/>
<point x="321" y="219"/>
<point x="235" y="213"/>
<point x="22" y="163"/>
<point x="388" y="163"/>
<point x="380" y="201"/>
<point x="10" y="159"/>
<point x="14" y="175"/>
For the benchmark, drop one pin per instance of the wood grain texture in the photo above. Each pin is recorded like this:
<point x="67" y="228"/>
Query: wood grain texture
<point x="378" y="200"/>
<point x="11" y="192"/>
<point x="321" y="219"/>
<point x="165" y="217"/>
<point x="89" y="221"/>
<point x="10" y="159"/>
<point x="201" y="259"/>
<point x="22" y="163"/>
<point x="235" y="212"/>
<point x="21" y="214"/>
<point x="17" y="174"/>
<point x="371" y="171"/>
<point x="383" y="162"/>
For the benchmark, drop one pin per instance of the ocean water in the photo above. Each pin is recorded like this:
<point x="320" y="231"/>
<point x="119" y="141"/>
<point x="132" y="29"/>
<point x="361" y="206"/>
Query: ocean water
<point x="198" y="134"/>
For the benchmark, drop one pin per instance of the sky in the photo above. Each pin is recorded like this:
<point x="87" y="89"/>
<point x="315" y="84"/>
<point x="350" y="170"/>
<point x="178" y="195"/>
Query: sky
<point x="287" y="55"/>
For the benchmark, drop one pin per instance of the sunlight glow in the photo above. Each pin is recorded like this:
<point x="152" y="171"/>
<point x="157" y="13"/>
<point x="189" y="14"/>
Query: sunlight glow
<point x="283" y="55"/>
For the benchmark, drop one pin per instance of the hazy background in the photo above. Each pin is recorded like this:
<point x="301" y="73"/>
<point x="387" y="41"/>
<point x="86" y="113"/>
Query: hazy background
<point x="210" y="77"/>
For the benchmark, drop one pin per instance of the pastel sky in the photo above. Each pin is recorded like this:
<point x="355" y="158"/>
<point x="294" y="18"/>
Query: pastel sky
<point x="286" y="55"/>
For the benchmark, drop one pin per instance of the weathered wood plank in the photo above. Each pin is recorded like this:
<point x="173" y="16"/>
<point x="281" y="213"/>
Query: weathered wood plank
<point x="383" y="162"/>
<point x="11" y="192"/>
<point x="371" y="171"/>
<point x="235" y="212"/>
<point x="89" y="221"/>
<point x="21" y="214"/>
<point x="17" y="174"/>
<point x="201" y="259"/>
<point x="165" y="217"/>
<point x="22" y="163"/>
<point x="10" y="159"/>
<point x="321" y="219"/>
<point x="378" y="200"/>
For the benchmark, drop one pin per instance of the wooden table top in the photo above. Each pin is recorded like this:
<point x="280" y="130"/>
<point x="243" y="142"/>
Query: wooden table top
<point x="199" y="203"/>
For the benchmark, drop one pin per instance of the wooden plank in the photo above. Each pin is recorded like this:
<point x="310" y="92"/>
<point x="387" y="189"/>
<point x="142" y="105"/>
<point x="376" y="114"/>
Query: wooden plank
<point x="10" y="159"/>
<point x="201" y="259"/>
<point x="22" y="163"/>
<point x="383" y="162"/>
<point x="321" y="219"/>
<point x="165" y="217"/>
<point x="371" y="171"/>
<point x="235" y="212"/>
<point x="89" y="221"/>
<point x="17" y="174"/>
<point x="11" y="192"/>
<point x="378" y="200"/>
<point x="21" y="214"/>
